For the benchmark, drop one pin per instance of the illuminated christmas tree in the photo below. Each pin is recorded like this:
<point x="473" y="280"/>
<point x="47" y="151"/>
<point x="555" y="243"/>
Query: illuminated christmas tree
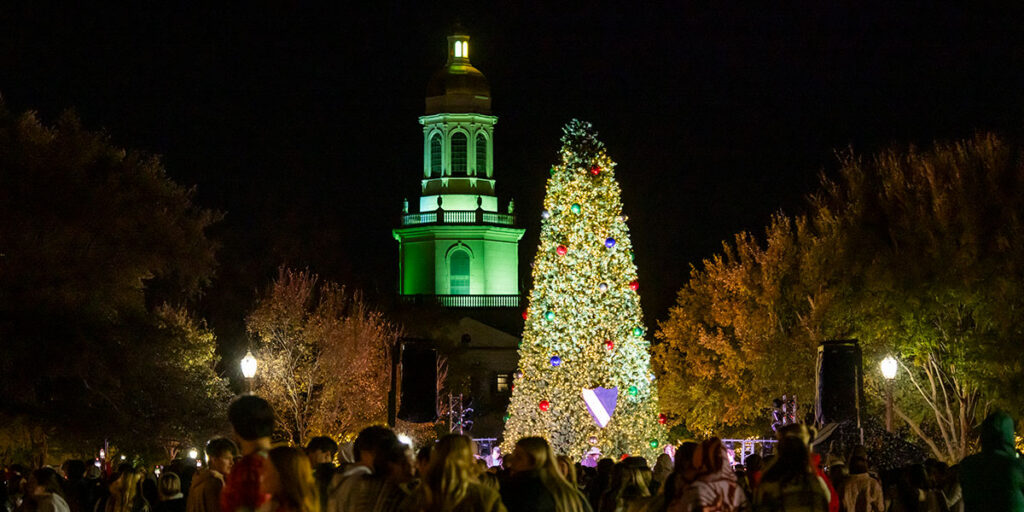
<point x="584" y="378"/>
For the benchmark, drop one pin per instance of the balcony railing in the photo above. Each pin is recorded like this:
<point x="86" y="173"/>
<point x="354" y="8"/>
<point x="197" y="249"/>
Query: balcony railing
<point x="464" y="301"/>
<point x="458" y="217"/>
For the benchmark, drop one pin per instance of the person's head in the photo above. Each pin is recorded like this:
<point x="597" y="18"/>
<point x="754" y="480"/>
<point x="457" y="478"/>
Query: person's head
<point x="220" y="455"/>
<point x="635" y="483"/>
<point x="44" y="481"/>
<point x="792" y="460"/>
<point x="534" y="454"/>
<point x="452" y="468"/>
<point x="74" y="469"/>
<point x="798" y="430"/>
<point x="127" y="489"/>
<point x="252" y="417"/>
<point x="423" y="460"/>
<point x="169" y="485"/>
<point x="489" y="479"/>
<point x="710" y="457"/>
<point x="321" y="450"/>
<point x="394" y="461"/>
<point x="754" y="463"/>
<point x="289" y="479"/>
<point x="369" y="441"/>
<point x="997" y="433"/>
<point x="858" y="463"/>
<point x="568" y="470"/>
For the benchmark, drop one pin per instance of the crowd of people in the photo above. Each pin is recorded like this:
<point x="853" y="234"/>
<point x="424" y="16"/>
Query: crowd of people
<point x="381" y="474"/>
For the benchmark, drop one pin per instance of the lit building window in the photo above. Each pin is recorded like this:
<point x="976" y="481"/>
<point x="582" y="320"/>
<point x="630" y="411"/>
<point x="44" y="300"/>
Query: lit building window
<point x="503" y="382"/>
<point x="435" y="156"/>
<point x="459" y="160"/>
<point x="481" y="155"/>
<point x="462" y="49"/>
<point x="458" y="273"/>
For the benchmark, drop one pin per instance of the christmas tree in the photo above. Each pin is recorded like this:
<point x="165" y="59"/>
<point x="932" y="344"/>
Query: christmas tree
<point x="584" y="378"/>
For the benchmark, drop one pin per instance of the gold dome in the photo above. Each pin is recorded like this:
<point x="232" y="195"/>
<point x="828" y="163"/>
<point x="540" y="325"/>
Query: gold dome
<point x="458" y="87"/>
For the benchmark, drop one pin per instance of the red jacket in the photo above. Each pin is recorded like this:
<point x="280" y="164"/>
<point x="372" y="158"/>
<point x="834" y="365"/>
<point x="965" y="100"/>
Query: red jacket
<point x="833" y="502"/>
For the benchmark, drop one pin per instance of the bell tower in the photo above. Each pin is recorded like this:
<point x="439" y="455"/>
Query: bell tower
<point x="458" y="249"/>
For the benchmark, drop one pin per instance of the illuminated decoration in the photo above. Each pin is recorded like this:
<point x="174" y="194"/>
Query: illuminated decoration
<point x="595" y="170"/>
<point x="505" y="418"/>
<point x="562" y="250"/>
<point x="601" y="403"/>
<point x="550" y="315"/>
<point x="545" y="215"/>
<point x="526" y="314"/>
<point x="662" y="419"/>
<point x="544" y="405"/>
<point x="633" y="391"/>
<point x="518" y="375"/>
<point x="654" y="443"/>
<point x="556" y="361"/>
<point x="459" y="248"/>
<point x="609" y="242"/>
<point x="634" y="285"/>
<point x="594" y="331"/>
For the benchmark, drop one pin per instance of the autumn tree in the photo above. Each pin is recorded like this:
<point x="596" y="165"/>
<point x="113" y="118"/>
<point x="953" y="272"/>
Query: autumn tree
<point x="916" y="253"/>
<point x="325" y="356"/>
<point x="94" y="239"/>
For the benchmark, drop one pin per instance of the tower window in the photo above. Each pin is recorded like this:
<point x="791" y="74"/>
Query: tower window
<point x="502" y="383"/>
<point x="462" y="49"/>
<point x="435" y="156"/>
<point x="459" y="163"/>
<point x="459" y="273"/>
<point x="481" y="155"/>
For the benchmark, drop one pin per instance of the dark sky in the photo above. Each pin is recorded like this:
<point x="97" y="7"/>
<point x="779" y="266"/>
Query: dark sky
<point x="301" y="122"/>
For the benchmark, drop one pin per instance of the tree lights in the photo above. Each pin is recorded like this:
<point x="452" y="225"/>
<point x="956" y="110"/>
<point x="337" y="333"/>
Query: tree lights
<point x="586" y="368"/>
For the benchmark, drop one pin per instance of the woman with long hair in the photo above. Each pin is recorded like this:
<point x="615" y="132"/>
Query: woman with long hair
<point x="126" y="493"/>
<point x="790" y="483"/>
<point x="537" y="485"/>
<point x="289" y="482"/>
<point x="44" y="493"/>
<point x="450" y="483"/>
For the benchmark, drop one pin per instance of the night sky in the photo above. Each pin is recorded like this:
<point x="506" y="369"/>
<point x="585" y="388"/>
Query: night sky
<point x="300" y="122"/>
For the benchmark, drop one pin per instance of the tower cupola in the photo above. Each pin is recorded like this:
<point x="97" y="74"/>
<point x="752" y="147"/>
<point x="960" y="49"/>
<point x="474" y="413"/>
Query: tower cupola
<point x="458" y="87"/>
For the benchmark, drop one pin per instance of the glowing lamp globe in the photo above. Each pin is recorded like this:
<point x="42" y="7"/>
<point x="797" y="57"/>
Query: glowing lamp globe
<point x="248" y="366"/>
<point x="609" y="242"/>
<point x="556" y="361"/>
<point x="576" y="208"/>
<point x="562" y="250"/>
<point x="544" y="405"/>
<point x="193" y="453"/>
<point x="889" y="366"/>
<point x="634" y="285"/>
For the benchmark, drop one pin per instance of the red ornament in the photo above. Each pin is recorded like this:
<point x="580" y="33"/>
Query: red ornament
<point x="562" y="250"/>
<point x="609" y="344"/>
<point x="544" y="405"/>
<point x="526" y="314"/>
<point x="635" y="285"/>
<point x="662" y="419"/>
<point x="595" y="170"/>
<point x="624" y="456"/>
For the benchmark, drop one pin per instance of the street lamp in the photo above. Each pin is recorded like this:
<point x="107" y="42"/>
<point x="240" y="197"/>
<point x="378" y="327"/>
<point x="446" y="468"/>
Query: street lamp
<point x="889" y="367"/>
<point x="249" y="368"/>
<point x="193" y="454"/>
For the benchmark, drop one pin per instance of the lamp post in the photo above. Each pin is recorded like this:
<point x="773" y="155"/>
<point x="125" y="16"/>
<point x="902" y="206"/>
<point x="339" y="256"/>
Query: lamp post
<point x="249" y="369"/>
<point x="889" y="367"/>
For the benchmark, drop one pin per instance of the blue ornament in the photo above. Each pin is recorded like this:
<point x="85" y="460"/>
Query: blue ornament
<point x="556" y="361"/>
<point x="545" y="215"/>
<point x="609" y="242"/>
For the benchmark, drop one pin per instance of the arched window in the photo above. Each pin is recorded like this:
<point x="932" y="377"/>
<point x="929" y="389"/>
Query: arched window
<point x="458" y="273"/>
<point x="435" y="156"/>
<point x="481" y="155"/>
<point x="459" y="160"/>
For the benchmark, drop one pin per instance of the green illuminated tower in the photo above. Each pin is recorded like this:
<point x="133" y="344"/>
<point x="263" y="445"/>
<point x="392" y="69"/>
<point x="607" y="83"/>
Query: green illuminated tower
<point x="459" y="250"/>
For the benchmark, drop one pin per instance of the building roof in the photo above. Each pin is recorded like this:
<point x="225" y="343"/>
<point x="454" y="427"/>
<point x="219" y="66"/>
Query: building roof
<point x="458" y="87"/>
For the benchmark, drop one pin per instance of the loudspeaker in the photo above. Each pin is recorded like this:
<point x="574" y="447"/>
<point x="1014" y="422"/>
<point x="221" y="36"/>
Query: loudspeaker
<point x="419" y="384"/>
<point x="840" y="383"/>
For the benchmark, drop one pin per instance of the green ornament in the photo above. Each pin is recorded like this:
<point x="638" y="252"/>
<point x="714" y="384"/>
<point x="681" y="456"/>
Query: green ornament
<point x="576" y="208"/>
<point x="654" y="443"/>
<point x="631" y="257"/>
<point x="638" y="332"/>
<point x="506" y="417"/>
<point x="633" y="391"/>
<point x="553" y="171"/>
<point x="550" y="315"/>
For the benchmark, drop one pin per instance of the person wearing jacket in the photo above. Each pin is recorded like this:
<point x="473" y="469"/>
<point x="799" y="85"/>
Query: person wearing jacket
<point x="204" y="493"/>
<point x="994" y="478"/>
